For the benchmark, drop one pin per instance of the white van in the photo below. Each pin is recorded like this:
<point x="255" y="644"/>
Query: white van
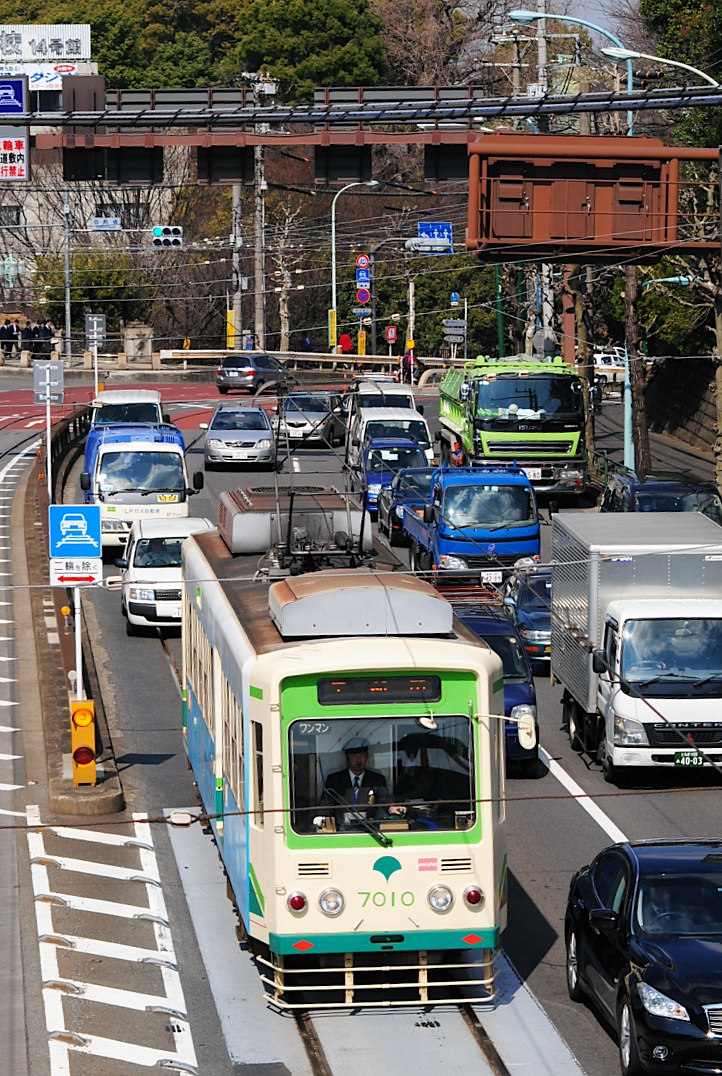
<point x="127" y="405"/>
<point x="370" y="423"/>
<point x="151" y="583"/>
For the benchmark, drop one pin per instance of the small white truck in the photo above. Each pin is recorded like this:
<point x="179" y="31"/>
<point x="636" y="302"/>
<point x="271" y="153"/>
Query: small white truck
<point x="637" y="637"/>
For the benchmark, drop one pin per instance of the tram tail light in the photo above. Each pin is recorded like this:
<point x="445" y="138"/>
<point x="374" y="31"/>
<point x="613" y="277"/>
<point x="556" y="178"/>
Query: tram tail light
<point x="474" y="896"/>
<point x="297" y="902"/>
<point x="82" y="741"/>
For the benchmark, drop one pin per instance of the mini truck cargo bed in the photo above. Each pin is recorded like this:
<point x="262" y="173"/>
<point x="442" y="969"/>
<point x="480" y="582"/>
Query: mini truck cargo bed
<point x="599" y="559"/>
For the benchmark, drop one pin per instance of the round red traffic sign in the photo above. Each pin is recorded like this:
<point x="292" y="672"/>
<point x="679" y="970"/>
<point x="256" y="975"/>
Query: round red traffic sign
<point x="363" y="261"/>
<point x="363" y="295"/>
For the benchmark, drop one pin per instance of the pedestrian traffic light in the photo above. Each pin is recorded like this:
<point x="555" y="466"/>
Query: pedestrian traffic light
<point x="167" y="235"/>
<point x="82" y="741"/>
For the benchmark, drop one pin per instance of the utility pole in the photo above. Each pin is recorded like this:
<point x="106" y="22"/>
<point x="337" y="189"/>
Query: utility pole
<point x="259" y="244"/>
<point x="236" y="245"/>
<point x="640" y="433"/>
<point x="546" y="279"/>
<point x="66" y="225"/>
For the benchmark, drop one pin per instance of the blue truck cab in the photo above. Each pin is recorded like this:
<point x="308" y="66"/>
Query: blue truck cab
<point x="477" y="519"/>
<point x="135" y="472"/>
<point x="382" y="459"/>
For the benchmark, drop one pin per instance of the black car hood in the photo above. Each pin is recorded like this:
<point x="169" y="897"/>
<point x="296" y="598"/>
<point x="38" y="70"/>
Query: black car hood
<point x="685" y="968"/>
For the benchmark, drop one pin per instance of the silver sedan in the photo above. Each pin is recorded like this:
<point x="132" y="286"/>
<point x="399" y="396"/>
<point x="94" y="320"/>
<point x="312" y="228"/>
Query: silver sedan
<point x="238" y="435"/>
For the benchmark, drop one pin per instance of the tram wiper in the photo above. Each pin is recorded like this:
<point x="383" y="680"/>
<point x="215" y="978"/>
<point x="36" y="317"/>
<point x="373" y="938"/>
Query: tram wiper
<point x="366" y="824"/>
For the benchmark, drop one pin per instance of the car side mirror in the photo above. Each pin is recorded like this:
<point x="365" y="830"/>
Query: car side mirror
<point x="202" y="425"/>
<point x="428" y="513"/>
<point x="553" y="508"/>
<point x="599" y="662"/>
<point x="603" y="920"/>
<point x="420" y="408"/>
<point x="198" y="481"/>
<point x="121" y="562"/>
<point x="85" y="481"/>
<point x="166" y="419"/>
<point x="356" y="442"/>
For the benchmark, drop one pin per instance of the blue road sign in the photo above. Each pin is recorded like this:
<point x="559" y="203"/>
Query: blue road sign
<point x="436" y="229"/>
<point x="363" y="277"/>
<point x="454" y="298"/>
<point x="12" y="96"/>
<point x="75" y="530"/>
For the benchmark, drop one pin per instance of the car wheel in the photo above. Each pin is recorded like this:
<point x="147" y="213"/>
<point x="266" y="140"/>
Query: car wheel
<point x="222" y="391"/>
<point x="529" y="767"/>
<point x="130" y="629"/>
<point x="572" y="968"/>
<point x="610" y="771"/>
<point x="380" y="525"/>
<point x="574" y="739"/>
<point x="628" y="1051"/>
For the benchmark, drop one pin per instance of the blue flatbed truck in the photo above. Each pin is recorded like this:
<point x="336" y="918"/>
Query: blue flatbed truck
<point x="477" y="520"/>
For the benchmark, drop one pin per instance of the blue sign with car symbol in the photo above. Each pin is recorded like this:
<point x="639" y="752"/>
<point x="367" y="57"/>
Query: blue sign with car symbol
<point x="74" y="530"/>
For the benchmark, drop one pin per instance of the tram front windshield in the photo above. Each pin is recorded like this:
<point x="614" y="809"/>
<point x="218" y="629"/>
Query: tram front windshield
<point x="410" y="777"/>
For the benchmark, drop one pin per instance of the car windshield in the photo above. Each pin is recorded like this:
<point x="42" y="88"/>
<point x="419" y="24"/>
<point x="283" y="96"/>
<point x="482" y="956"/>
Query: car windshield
<point x="130" y="412"/>
<point x="535" y="595"/>
<point x="386" y="399"/>
<point x="414" y="483"/>
<point x="511" y="653"/>
<point x="428" y="774"/>
<point x="680" y="905"/>
<point x="415" y="429"/>
<point x="393" y="459"/>
<point x="510" y="402"/>
<point x="673" y="656"/>
<point x="318" y="404"/>
<point x="129" y="471"/>
<point x="158" y="553"/>
<point x="240" y="420"/>
<point x="469" y="505"/>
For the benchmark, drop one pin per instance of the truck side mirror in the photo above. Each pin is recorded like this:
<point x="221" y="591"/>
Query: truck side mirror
<point x="166" y="419"/>
<point x="553" y="507"/>
<point x="420" y="408"/>
<point x="599" y="662"/>
<point x="198" y="481"/>
<point x="356" y="442"/>
<point x="428" y="513"/>
<point x="85" y="481"/>
<point x="202" y="425"/>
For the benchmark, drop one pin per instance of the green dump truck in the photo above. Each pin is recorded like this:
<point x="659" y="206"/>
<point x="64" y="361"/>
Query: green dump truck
<point x="519" y="411"/>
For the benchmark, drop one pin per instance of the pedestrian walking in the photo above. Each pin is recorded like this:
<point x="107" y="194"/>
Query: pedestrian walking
<point x="408" y="367"/>
<point x="17" y="337"/>
<point x="27" y="337"/>
<point x="6" y="338"/>
<point x="45" y="336"/>
<point x="346" y="344"/>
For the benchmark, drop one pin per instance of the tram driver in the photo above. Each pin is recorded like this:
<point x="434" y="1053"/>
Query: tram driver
<point x="357" y="790"/>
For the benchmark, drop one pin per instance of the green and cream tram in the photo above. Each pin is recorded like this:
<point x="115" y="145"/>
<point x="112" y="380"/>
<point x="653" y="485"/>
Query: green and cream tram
<point x="353" y="893"/>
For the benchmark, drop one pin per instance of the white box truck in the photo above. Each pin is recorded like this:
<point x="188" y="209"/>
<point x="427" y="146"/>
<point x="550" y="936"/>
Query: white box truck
<point x="637" y="637"/>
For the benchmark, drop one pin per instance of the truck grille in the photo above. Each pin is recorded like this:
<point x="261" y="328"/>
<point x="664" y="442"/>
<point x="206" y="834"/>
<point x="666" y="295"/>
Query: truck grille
<point x="527" y="449"/>
<point x="662" y="735"/>
<point x="492" y="561"/>
<point x="167" y="595"/>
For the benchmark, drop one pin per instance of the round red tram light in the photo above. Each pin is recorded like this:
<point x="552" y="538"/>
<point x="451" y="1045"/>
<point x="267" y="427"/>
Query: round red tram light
<point x="473" y="896"/>
<point x="297" y="902"/>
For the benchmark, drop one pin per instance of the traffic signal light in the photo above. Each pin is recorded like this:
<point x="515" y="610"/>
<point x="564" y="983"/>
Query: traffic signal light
<point x="82" y="741"/>
<point x="167" y="235"/>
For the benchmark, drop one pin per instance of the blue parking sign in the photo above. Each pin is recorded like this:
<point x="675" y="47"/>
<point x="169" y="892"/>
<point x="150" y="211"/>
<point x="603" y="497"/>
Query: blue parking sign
<point x="74" y="530"/>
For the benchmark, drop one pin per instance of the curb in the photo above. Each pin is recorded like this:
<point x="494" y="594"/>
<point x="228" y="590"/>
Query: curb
<point x="52" y="660"/>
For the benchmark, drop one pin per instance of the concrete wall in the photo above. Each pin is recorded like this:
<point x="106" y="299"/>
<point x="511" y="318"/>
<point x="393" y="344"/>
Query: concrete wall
<point x="681" y="401"/>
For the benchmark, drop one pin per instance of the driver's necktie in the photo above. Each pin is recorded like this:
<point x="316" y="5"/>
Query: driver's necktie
<point x="356" y="787"/>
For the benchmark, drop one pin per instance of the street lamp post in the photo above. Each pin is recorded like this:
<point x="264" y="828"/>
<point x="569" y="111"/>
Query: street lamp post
<point x="332" y="318"/>
<point x="619" y="54"/>
<point x="528" y="17"/>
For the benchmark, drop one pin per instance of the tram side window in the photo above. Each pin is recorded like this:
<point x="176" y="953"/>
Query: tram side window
<point x="257" y="748"/>
<point x="232" y="718"/>
<point x="199" y="664"/>
<point x="409" y="777"/>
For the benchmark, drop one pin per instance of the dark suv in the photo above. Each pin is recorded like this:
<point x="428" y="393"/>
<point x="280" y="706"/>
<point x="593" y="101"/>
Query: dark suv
<point x="663" y="491"/>
<point x="248" y="370"/>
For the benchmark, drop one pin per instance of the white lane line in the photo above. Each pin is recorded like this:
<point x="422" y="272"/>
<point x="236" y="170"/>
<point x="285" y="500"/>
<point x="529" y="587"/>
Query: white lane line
<point x="92" y="904"/>
<point x="95" y="837"/>
<point x="9" y="788"/>
<point x="134" y="954"/>
<point x="585" y="802"/>
<point x="124" y="999"/>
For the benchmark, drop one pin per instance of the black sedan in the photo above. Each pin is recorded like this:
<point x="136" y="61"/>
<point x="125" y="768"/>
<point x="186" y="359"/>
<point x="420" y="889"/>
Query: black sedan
<point x="410" y="487"/>
<point x="643" y="932"/>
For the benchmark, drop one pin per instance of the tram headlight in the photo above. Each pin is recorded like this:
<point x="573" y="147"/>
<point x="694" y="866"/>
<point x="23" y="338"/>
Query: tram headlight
<point x="297" y="902"/>
<point x="474" y="896"/>
<point x="440" y="898"/>
<point x="331" y="902"/>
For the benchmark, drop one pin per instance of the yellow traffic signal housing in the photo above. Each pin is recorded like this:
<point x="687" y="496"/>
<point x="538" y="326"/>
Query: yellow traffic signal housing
<point x="82" y="741"/>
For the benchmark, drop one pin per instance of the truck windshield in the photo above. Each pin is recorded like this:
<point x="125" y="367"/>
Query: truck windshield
<point x="410" y="778"/>
<point x="488" y="505"/>
<point x="128" y="412"/>
<point x="394" y="459"/>
<point x="508" y="402"/>
<point x="397" y="427"/>
<point x="142" y="472"/>
<point x="673" y="657"/>
<point x="385" y="399"/>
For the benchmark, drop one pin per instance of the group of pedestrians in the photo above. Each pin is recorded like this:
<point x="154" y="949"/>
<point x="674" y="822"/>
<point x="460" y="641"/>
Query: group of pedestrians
<point x="35" y="337"/>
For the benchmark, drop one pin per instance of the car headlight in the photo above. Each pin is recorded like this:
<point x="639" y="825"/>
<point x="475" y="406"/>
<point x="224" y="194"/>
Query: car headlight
<point x="375" y="489"/>
<point x="215" y="443"/>
<point x="112" y="525"/>
<point x="331" y="902"/>
<point x="570" y="475"/>
<point x="399" y="512"/>
<point x="440" y="898"/>
<point x="629" y="733"/>
<point x="452" y="564"/>
<point x="658" y="1004"/>
<point x="265" y="442"/>
<point x="536" y="636"/>
<point x="140" y="594"/>
<point x="525" y="709"/>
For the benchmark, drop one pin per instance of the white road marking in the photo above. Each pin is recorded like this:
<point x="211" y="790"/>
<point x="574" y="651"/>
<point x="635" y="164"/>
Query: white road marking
<point x="34" y="422"/>
<point x="586" y="802"/>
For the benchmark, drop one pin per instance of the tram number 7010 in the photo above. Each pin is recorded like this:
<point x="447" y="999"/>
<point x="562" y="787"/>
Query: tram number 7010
<point x="381" y="899"/>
